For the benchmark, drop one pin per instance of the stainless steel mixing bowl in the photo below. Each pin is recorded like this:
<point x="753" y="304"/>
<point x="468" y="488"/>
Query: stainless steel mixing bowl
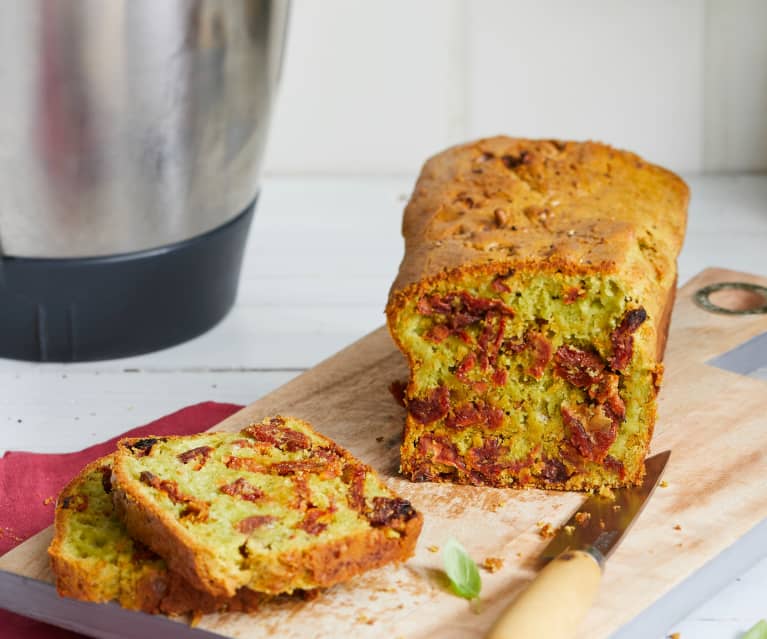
<point x="131" y="124"/>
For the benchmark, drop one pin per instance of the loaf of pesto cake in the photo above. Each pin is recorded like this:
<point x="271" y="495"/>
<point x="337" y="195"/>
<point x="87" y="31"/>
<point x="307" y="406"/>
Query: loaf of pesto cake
<point x="275" y="508"/>
<point x="533" y="305"/>
<point x="94" y="559"/>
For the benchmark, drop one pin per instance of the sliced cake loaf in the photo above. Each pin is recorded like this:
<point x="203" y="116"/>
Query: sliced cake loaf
<point x="94" y="559"/>
<point x="275" y="508"/>
<point x="533" y="305"/>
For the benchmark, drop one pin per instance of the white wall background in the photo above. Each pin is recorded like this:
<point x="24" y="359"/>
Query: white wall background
<point x="375" y="86"/>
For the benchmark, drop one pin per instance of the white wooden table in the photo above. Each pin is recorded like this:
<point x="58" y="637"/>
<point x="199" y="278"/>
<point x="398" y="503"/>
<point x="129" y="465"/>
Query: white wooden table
<point x="321" y="255"/>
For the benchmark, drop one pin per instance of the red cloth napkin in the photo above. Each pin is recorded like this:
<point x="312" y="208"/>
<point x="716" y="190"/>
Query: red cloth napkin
<point x="29" y="483"/>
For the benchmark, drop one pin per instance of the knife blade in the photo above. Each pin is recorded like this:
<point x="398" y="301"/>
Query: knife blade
<point x="556" y="601"/>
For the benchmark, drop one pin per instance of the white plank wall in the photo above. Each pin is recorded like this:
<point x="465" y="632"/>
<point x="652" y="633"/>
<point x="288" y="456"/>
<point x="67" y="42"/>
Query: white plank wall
<point x="375" y="86"/>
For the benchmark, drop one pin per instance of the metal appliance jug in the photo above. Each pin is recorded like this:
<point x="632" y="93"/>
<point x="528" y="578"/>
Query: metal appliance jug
<point x="131" y="134"/>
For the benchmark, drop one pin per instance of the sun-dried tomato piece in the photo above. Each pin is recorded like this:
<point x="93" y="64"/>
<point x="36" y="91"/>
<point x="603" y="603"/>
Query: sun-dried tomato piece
<point x="466" y="365"/>
<point x="591" y="443"/>
<point x="486" y="464"/>
<point x="303" y="492"/>
<point x="313" y="523"/>
<point x="194" y="507"/>
<point x="251" y="464"/>
<point x="77" y="502"/>
<point x="296" y="467"/>
<point x="615" y="465"/>
<point x="106" y="479"/>
<point x="279" y="436"/>
<point x="490" y="339"/>
<point x="431" y="304"/>
<point x="474" y="414"/>
<point x="622" y="338"/>
<point x="462" y="319"/>
<point x="578" y="367"/>
<point x="249" y="524"/>
<point x="393" y="512"/>
<point x="459" y="310"/>
<point x="542" y="350"/>
<point x="484" y="459"/>
<point x="423" y="472"/>
<point x="554" y="471"/>
<point x="482" y="305"/>
<point x="142" y="447"/>
<point x="432" y="407"/>
<point x="243" y="489"/>
<point x="440" y="450"/>
<point x="499" y="285"/>
<point x="606" y="393"/>
<point x="199" y="454"/>
<point x="438" y="333"/>
<point x="354" y="476"/>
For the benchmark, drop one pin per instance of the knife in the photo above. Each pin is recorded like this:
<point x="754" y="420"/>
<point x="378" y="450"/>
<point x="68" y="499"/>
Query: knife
<point x="556" y="601"/>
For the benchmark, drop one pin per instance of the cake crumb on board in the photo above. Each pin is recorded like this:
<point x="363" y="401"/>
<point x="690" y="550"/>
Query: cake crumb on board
<point x="363" y="618"/>
<point x="432" y="548"/>
<point x="546" y="530"/>
<point x="492" y="564"/>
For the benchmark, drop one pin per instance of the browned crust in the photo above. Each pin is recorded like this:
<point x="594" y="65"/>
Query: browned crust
<point x="72" y="579"/>
<point x="590" y="191"/>
<point x="664" y="324"/>
<point x="157" y="591"/>
<point x="326" y="564"/>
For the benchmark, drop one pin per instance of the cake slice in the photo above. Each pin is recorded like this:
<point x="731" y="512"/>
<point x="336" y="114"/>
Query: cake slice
<point x="533" y="305"/>
<point x="94" y="559"/>
<point x="276" y="507"/>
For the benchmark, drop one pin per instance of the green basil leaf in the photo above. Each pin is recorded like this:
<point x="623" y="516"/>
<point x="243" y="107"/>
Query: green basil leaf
<point x="461" y="570"/>
<point x="757" y="631"/>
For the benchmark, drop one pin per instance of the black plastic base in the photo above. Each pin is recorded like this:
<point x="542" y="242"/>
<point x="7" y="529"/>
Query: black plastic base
<point x="66" y="310"/>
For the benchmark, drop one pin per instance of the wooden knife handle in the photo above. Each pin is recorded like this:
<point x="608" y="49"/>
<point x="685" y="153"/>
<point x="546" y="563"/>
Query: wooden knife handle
<point x="555" y="602"/>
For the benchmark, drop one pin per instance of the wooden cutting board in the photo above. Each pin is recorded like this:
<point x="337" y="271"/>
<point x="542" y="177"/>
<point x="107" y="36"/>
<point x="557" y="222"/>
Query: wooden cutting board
<point x="713" y="420"/>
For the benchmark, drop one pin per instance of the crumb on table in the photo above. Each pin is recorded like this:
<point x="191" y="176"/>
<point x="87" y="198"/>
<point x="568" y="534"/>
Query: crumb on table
<point x="606" y="492"/>
<point x="432" y="548"/>
<point x="48" y="501"/>
<point x="363" y="618"/>
<point x="379" y="439"/>
<point x="492" y="564"/>
<point x="569" y="529"/>
<point x="677" y="527"/>
<point x="546" y="530"/>
<point x="675" y="635"/>
<point x="582" y="518"/>
<point x="616" y="507"/>
<point x="664" y="484"/>
<point x="496" y="505"/>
